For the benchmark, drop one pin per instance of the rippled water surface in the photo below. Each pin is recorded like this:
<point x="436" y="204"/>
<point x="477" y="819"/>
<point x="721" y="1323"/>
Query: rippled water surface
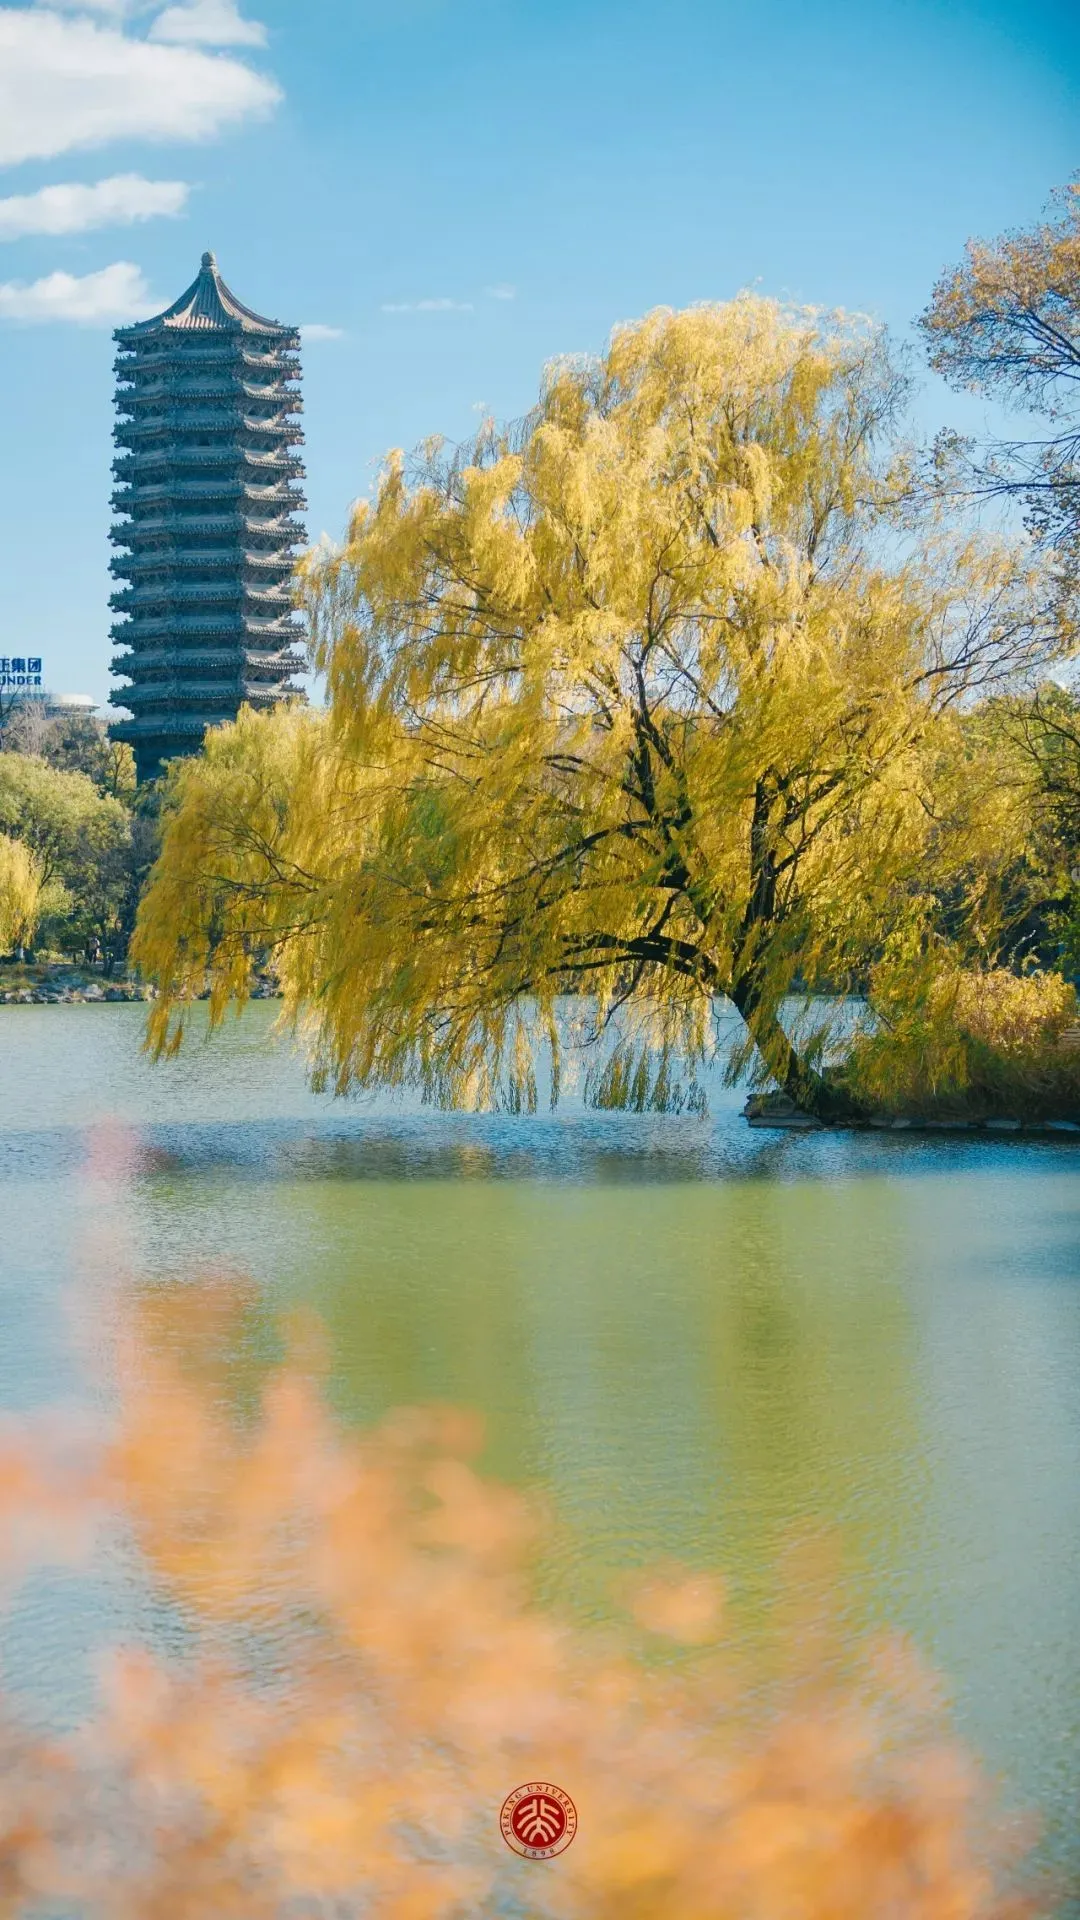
<point x="698" y="1337"/>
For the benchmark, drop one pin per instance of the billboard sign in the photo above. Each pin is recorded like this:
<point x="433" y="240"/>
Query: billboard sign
<point x="20" y="670"/>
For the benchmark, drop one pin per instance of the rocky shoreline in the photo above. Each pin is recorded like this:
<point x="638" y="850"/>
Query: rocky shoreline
<point x="69" y="996"/>
<point x="777" y="1111"/>
<point x="58" y="991"/>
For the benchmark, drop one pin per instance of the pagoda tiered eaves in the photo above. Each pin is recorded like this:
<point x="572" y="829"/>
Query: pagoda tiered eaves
<point x="207" y="402"/>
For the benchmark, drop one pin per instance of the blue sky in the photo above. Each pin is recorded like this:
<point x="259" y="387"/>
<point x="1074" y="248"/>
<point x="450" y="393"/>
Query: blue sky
<point x="461" y="189"/>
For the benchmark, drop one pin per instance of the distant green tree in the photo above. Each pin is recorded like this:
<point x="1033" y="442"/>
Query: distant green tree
<point x="81" y="841"/>
<point x="80" y="743"/>
<point x="72" y="742"/>
<point x="21" y="894"/>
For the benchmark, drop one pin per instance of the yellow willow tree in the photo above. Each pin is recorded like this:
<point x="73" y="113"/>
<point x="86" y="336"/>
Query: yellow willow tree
<point x="645" y="701"/>
<point x="21" y="888"/>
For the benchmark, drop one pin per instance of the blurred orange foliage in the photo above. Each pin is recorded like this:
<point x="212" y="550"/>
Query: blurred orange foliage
<point x="366" y="1675"/>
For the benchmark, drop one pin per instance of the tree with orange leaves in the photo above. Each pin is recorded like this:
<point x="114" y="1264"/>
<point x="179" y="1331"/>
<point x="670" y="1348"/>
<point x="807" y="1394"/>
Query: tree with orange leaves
<point x="367" y="1676"/>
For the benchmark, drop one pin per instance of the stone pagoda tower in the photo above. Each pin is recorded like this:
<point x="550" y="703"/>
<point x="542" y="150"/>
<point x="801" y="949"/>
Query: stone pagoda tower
<point x="207" y="399"/>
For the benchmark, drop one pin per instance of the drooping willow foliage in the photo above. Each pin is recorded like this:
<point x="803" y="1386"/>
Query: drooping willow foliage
<point x="652" y="700"/>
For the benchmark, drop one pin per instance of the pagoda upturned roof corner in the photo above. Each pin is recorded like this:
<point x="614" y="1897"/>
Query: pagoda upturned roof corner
<point x="208" y="305"/>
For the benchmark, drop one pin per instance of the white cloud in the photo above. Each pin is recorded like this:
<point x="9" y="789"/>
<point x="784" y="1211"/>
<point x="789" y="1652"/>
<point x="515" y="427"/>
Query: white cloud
<point x="314" y="330"/>
<point x="501" y="292"/>
<point x="114" y="294"/>
<point x="427" y="306"/>
<point x="72" y="208"/>
<point x="74" y="83"/>
<point x="213" y="23"/>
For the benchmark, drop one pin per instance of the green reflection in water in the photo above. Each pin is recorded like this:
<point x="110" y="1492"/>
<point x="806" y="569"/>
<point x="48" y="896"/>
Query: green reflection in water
<point x="690" y="1370"/>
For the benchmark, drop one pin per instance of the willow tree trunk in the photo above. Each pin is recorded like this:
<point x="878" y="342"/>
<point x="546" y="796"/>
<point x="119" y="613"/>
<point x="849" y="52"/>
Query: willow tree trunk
<point x="810" y="1090"/>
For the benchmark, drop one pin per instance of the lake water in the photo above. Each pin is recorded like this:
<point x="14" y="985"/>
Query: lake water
<point x="697" y="1337"/>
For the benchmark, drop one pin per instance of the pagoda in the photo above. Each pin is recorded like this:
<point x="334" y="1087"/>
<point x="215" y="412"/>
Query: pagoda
<point x="207" y="497"/>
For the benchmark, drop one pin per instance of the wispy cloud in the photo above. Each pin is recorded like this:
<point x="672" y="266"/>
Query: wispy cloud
<point x="70" y="83"/>
<point x="113" y="9"/>
<point x="72" y="208"/>
<point x="499" y="292"/>
<point x="209" y="23"/>
<point x="427" y="306"/>
<point x="112" y="295"/>
<point x="314" y="330"/>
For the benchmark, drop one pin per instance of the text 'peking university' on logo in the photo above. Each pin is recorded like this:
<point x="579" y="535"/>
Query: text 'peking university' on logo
<point x="538" y="1820"/>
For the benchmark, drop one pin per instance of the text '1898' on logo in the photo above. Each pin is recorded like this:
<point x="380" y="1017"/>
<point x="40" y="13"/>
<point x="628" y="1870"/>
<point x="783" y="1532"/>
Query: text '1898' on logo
<point x="538" y="1820"/>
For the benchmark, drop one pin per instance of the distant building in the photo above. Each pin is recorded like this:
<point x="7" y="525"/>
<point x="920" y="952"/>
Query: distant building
<point x="78" y="703"/>
<point x="207" y="496"/>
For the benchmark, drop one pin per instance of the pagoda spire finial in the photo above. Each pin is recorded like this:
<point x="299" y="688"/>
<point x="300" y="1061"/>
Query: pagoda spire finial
<point x="209" y="261"/>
